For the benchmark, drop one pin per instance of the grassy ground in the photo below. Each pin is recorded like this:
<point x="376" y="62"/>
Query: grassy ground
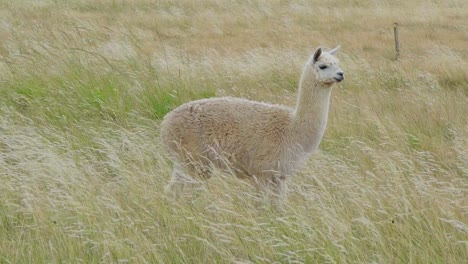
<point x="84" y="84"/>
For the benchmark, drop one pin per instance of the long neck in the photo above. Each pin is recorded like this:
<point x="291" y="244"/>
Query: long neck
<point x="310" y="118"/>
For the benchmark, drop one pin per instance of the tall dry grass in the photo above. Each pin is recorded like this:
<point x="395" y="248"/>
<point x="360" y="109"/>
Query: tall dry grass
<point x="84" y="84"/>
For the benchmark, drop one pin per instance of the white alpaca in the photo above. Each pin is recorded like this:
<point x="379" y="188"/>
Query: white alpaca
<point x="256" y="140"/>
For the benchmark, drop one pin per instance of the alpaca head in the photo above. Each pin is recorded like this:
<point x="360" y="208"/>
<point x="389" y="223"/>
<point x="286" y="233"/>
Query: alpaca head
<point x="326" y="67"/>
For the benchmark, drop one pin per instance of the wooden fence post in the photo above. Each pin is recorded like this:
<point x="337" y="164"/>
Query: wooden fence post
<point x="397" y="41"/>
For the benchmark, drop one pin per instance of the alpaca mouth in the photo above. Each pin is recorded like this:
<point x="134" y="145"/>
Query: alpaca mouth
<point x="339" y="79"/>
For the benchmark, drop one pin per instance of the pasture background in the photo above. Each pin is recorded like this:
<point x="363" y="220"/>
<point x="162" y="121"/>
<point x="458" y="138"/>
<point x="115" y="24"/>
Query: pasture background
<point x="84" y="85"/>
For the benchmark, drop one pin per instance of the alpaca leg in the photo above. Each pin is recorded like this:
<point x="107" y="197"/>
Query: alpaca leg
<point x="279" y="189"/>
<point x="178" y="181"/>
<point x="273" y="188"/>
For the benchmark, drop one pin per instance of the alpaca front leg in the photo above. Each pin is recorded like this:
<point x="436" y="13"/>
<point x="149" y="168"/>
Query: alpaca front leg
<point x="279" y="189"/>
<point x="275" y="188"/>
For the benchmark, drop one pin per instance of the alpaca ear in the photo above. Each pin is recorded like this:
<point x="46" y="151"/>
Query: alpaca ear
<point x="333" y="51"/>
<point x="317" y="54"/>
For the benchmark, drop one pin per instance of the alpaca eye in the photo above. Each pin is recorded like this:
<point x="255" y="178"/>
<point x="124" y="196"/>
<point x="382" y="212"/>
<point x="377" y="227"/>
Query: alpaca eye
<point x="323" y="67"/>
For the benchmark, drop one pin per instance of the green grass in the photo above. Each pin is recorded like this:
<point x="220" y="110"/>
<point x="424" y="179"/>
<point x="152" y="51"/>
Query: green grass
<point x="84" y="86"/>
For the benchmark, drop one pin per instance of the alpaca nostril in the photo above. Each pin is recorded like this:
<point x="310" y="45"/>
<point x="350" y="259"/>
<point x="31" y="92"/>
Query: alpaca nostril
<point x="341" y="74"/>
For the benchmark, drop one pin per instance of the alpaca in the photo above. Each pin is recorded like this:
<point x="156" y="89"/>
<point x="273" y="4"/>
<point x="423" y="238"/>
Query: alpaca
<point x="263" y="142"/>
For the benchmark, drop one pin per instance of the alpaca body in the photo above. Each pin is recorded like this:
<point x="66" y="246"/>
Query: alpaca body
<point x="255" y="140"/>
<point x="251" y="138"/>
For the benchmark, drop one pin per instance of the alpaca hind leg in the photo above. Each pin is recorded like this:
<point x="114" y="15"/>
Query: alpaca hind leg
<point x="179" y="180"/>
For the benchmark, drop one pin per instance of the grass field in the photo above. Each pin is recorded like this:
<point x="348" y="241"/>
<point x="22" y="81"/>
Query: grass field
<point x="84" y="85"/>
